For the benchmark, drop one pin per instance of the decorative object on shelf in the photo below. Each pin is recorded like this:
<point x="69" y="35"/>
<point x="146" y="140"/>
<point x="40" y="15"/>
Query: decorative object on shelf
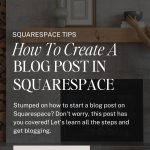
<point x="81" y="13"/>
<point x="137" y="14"/>
<point x="60" y="13"/>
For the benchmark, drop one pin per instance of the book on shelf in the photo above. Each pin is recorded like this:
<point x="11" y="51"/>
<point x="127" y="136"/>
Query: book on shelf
<point x="139" y="22"/>
<point x="126" y="25"/>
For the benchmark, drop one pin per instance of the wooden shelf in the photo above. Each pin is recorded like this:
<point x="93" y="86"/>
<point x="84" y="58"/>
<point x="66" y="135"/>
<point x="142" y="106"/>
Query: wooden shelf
<point x="106" y="35"/>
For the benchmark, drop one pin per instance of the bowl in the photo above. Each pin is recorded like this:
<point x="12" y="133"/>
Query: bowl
<point x="138" y="14"/>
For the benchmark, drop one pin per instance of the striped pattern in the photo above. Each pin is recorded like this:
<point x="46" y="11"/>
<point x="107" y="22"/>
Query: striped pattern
<point x="2" y="70"/>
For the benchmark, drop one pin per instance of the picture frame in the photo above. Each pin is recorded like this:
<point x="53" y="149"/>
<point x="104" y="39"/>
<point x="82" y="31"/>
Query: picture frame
<point x="81" y="13"/>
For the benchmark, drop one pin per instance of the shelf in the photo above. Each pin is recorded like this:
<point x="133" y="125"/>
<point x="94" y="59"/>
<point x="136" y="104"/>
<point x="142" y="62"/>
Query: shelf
<point x="90" y="35"/>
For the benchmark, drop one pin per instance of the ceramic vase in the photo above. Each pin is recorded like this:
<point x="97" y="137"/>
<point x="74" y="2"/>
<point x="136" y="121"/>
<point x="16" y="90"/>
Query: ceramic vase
<point x="60" y="13"/>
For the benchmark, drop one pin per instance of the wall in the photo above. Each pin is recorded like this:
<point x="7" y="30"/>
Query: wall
<point x="132" y="61"/>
